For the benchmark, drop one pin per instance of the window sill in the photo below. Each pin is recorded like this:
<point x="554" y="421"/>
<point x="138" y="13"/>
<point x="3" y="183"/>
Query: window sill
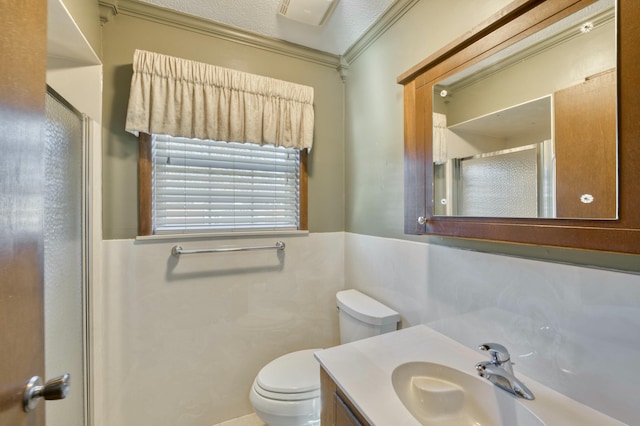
<point x="221" y="235"/>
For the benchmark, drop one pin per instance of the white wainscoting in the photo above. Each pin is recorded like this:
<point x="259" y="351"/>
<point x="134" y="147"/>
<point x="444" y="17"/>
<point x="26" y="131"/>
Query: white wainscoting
<point x="574" y="329"/>
<point x="184" y="338"/>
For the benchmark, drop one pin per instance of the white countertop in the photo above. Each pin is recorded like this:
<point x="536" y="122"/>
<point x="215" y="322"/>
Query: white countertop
<point x="363" y="369"/>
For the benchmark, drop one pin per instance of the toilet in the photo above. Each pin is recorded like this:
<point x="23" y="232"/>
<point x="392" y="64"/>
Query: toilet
<point x="286" y="392"/>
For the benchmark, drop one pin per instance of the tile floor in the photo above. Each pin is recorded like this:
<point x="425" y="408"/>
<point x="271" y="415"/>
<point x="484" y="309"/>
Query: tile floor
<point x="248" y="420"/>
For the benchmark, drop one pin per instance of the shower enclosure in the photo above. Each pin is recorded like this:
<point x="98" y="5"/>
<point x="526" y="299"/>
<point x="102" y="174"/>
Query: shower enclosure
<point x="66" y="257"/>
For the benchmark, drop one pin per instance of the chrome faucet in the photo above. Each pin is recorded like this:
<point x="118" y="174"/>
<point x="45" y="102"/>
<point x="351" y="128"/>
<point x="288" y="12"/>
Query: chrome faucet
<point x="499" y="371"/>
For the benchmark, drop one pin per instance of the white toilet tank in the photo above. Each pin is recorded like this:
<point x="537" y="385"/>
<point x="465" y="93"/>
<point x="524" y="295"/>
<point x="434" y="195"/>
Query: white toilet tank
<point x="362" y="317"/>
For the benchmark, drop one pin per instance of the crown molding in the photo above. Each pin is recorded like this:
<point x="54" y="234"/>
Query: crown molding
<point x="196" y="24"/>
<point x="154" y="13"/>
<point x="108" y="9"/>
<point x="343" y="69"/>
<point x="395" y="12"/>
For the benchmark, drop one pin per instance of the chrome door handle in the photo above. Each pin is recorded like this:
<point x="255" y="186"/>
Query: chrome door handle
<point x="56" y="388"/>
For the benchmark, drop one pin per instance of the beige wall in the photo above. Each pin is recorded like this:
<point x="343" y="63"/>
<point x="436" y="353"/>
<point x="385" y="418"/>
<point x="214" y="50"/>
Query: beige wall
<point x="124" y="33"/>
<point x="87" y="16"/>
<point x="374" y="146"/>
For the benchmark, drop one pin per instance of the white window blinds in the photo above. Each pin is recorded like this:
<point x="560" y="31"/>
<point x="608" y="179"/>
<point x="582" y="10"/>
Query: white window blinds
<point x="209" y="185"/>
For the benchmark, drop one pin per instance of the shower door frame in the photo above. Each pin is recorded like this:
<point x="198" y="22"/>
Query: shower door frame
<point x="86" y="245"/>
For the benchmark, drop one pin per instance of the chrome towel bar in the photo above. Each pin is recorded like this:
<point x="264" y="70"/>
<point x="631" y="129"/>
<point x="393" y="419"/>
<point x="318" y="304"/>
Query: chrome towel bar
<point x="178" y="250"/>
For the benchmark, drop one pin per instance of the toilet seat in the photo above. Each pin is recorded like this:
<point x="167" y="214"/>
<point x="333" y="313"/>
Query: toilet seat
<point x="291" y="377"/>
<point x="286" y="413"/>
<point x="286" y="396"/>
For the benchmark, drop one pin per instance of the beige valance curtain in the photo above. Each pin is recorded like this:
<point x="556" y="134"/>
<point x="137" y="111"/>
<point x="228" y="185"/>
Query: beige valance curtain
<point x="178" y="97"/>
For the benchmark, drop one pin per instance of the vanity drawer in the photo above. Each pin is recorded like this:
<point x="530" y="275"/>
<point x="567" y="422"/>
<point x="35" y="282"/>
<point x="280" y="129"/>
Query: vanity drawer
<point x="337" y="410"/>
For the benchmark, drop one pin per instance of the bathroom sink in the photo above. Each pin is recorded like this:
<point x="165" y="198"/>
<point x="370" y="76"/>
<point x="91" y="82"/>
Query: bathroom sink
<point x="443" y="396"/>
<point x="418" y="376"/>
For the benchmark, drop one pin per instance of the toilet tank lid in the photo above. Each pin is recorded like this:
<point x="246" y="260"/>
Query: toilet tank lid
<point x="366" y="309"/>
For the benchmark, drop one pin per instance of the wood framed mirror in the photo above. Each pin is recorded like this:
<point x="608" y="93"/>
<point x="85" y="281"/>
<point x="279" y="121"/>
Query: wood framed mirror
<point x="619" y="229"/>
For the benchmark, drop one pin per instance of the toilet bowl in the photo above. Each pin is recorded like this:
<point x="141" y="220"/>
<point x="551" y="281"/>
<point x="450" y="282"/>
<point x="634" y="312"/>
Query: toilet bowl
<point x="286" y="392"/>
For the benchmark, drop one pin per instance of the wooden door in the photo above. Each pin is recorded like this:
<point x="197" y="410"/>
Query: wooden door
<point x="22" y="94"/>
<point x="586" y="149"/>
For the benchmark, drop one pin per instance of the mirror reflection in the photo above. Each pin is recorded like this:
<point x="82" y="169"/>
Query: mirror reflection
<point x="531" y="131"/>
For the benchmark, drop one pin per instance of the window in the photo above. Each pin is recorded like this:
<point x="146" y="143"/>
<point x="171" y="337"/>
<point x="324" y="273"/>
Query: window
<point x="192" y="185"/>
<point x="199" y="180"/>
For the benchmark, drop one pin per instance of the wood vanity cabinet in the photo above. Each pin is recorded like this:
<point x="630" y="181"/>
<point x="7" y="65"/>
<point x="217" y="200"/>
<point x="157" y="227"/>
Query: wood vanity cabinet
<point x="337" y="410"/>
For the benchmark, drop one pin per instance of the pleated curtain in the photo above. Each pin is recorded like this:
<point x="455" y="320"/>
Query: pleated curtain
<point x="184" y="98"/>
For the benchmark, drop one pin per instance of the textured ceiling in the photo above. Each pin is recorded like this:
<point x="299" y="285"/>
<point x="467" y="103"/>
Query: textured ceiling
<point x="349" y="21"/>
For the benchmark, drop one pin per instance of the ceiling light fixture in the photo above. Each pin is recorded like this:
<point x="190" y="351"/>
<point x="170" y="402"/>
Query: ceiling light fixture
<point x="586" y="27"/>
<point x="311" y="12"/>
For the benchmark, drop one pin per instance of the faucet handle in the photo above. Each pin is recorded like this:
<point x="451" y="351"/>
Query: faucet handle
<point x="499" y="354"/>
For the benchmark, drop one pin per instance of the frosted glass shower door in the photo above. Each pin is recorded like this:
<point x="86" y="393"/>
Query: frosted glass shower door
<point x="64" y="254"/>
<point x="502" y="184"/>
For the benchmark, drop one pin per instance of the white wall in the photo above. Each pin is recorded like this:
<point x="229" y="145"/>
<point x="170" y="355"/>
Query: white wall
<point x="574" y="329"/>
<point x="184" y="338"/>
